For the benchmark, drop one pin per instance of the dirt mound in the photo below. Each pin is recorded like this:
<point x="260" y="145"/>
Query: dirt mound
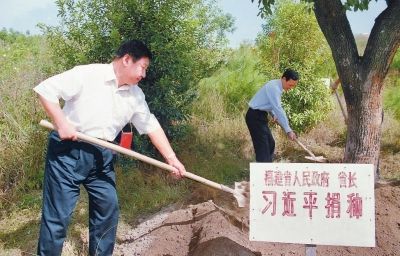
<point x="208" y="229"/>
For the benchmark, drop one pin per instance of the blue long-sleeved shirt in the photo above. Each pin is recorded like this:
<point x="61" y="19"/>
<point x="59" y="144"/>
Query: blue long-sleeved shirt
<point x="268" y="98"/>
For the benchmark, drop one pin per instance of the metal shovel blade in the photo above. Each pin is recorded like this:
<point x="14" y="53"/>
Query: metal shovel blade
<point x="319" y="159"/>
<point x="241" y="193"/>
<point x="311" y="156"/>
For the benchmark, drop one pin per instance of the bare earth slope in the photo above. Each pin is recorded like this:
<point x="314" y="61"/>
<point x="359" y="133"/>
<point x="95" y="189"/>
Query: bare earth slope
<point x="208" y="229"/>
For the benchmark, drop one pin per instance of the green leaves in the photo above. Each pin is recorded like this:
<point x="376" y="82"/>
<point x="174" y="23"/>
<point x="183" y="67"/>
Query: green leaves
<point x="227" y="92"/>
<point x="357" y="5"/>
<point x="294" y="40"/>
<point x="266" y="6"/>
<point x="185" y="36"/>
<point x="396" y="61"/>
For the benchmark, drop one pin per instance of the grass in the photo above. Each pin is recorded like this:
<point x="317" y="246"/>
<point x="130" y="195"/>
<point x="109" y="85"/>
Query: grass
<point x="218" y="150"/>
<point x="392" y="94"/>
<point x="217" y="147"/>
<point x="145" y="190"/>
<point x="390" y="148"/>
<point x="231" y="86"/>
<point x="23" y="60"/>
<point x="142" y="190"/>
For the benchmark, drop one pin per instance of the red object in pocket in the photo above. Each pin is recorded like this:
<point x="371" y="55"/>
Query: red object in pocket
<point x="126" y="140"/>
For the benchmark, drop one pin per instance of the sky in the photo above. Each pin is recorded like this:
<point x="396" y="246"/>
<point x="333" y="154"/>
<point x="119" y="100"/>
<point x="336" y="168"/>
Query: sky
<point x="24" y="15"/>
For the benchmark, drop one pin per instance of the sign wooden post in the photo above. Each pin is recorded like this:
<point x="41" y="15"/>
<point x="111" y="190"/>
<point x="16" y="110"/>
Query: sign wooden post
<point x="311" y="250"/>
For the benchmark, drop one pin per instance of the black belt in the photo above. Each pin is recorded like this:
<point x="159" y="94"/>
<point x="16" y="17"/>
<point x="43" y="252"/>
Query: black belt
<point x="258" y="110"/>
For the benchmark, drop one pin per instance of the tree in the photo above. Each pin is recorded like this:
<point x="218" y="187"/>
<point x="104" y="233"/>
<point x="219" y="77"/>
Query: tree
<point x="227" y="92"/>
<point x="280" y="49"/>
<point x="187" y="38"/>
<point x="362" y="77"/>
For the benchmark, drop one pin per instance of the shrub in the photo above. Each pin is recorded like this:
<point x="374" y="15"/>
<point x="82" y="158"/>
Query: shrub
<point x="186" y="37"/>
<point x="232" y="85"/>
<point x="284" y="44"/>
<point x="391" y="96"/>
<point x="396" y="61"/>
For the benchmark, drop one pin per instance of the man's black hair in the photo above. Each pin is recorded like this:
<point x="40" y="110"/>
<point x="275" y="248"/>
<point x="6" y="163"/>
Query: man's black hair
<point x="290" y="74"/>
<point x="135" y="48"/>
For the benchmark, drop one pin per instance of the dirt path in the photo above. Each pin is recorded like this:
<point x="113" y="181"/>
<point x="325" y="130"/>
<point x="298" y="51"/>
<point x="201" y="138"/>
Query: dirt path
<point x="208" y="229"/>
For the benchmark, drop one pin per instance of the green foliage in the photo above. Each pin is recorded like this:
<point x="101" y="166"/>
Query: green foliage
<point x="266" y="6"/>
<point x="143" y="192"/>
<point x="187" y="38"/>
<point x="17" y="52"/>
<point x="396" y="61"/>
<point x="391" y="97"/>
<point x="308" y="104"/>
<point x="23" y="60"/>
<point x="357" y="5"/>
<point x="234" y="84"/>
<point x="292" y="39"/>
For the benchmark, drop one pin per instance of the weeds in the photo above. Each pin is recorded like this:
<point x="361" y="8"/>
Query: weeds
<point x="217" y="147"/>
<point x="23" y="60"/>
<point x="146" y="190"/>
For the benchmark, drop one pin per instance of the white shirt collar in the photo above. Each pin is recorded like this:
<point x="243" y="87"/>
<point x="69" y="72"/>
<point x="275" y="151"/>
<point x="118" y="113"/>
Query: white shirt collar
<point x="109" y="76"/>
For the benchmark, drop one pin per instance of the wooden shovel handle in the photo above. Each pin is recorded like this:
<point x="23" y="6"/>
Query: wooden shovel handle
<point x="141" y="157"/>
<point x="304" y="147"/>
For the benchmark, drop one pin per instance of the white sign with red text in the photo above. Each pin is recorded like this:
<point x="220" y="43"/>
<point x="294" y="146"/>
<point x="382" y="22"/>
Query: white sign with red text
<point x="307" y="203"/>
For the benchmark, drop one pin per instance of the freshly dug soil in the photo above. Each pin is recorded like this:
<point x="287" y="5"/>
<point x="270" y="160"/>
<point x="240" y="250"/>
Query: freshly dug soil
<point x="208" y="229"/>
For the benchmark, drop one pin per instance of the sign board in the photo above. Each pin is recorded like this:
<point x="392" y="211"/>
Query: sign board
<point x="306" y="203"/>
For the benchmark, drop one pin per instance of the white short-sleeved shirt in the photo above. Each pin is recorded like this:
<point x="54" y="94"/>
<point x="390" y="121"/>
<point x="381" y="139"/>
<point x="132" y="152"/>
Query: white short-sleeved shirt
<point x="95" y="104"/>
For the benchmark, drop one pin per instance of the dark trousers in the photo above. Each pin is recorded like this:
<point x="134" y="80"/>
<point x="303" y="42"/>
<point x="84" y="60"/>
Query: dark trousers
<point x="70" y="164"/>
<point x="263" y="142"/>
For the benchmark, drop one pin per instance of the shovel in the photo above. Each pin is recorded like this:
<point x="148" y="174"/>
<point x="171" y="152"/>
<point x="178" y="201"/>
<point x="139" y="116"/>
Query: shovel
<point x="239" y="192"/>
<point x="312" y="157"/>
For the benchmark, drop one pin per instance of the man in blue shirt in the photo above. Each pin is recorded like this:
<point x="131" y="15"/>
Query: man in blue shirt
<point x="268" y="101"/>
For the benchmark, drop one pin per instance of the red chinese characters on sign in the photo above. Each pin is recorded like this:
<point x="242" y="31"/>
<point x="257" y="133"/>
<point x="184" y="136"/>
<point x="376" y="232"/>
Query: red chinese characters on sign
<point x="269" y="178"/>
<point x="270" y="198"/>
<point x="288" y="204"/>
<point x="288" y="178"/>
<point x="332" y="204"/>
<point x="310" y="202"/>
<point x="347" y="180"/>
<point x="278" y="179"/>
<point x="325" y="179"/>
<point x="304" y="179"/>
<point x="296" y="180"/>
<point x="355" y="205"/>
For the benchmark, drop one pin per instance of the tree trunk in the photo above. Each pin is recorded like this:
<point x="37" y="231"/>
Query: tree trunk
<point x="364" y="107"/>
<point x="361" y="76"/>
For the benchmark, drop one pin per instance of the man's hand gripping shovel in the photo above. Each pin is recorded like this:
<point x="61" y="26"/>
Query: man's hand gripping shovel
<point x="311" y="156"/>
<point x="240" y="192"/>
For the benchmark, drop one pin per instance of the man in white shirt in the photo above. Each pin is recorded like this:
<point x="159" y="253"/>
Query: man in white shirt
<point x="100" y="99"/>
<point x="268" y="100"/>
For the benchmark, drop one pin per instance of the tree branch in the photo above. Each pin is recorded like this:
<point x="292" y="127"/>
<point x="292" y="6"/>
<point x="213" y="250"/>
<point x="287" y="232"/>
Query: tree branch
<point x="332" y="19"/>
<point x="383" y="40"/>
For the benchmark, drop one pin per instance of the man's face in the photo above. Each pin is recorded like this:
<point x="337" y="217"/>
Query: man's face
<point x="289" y="84"/>
<point x="134" y="71"/>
